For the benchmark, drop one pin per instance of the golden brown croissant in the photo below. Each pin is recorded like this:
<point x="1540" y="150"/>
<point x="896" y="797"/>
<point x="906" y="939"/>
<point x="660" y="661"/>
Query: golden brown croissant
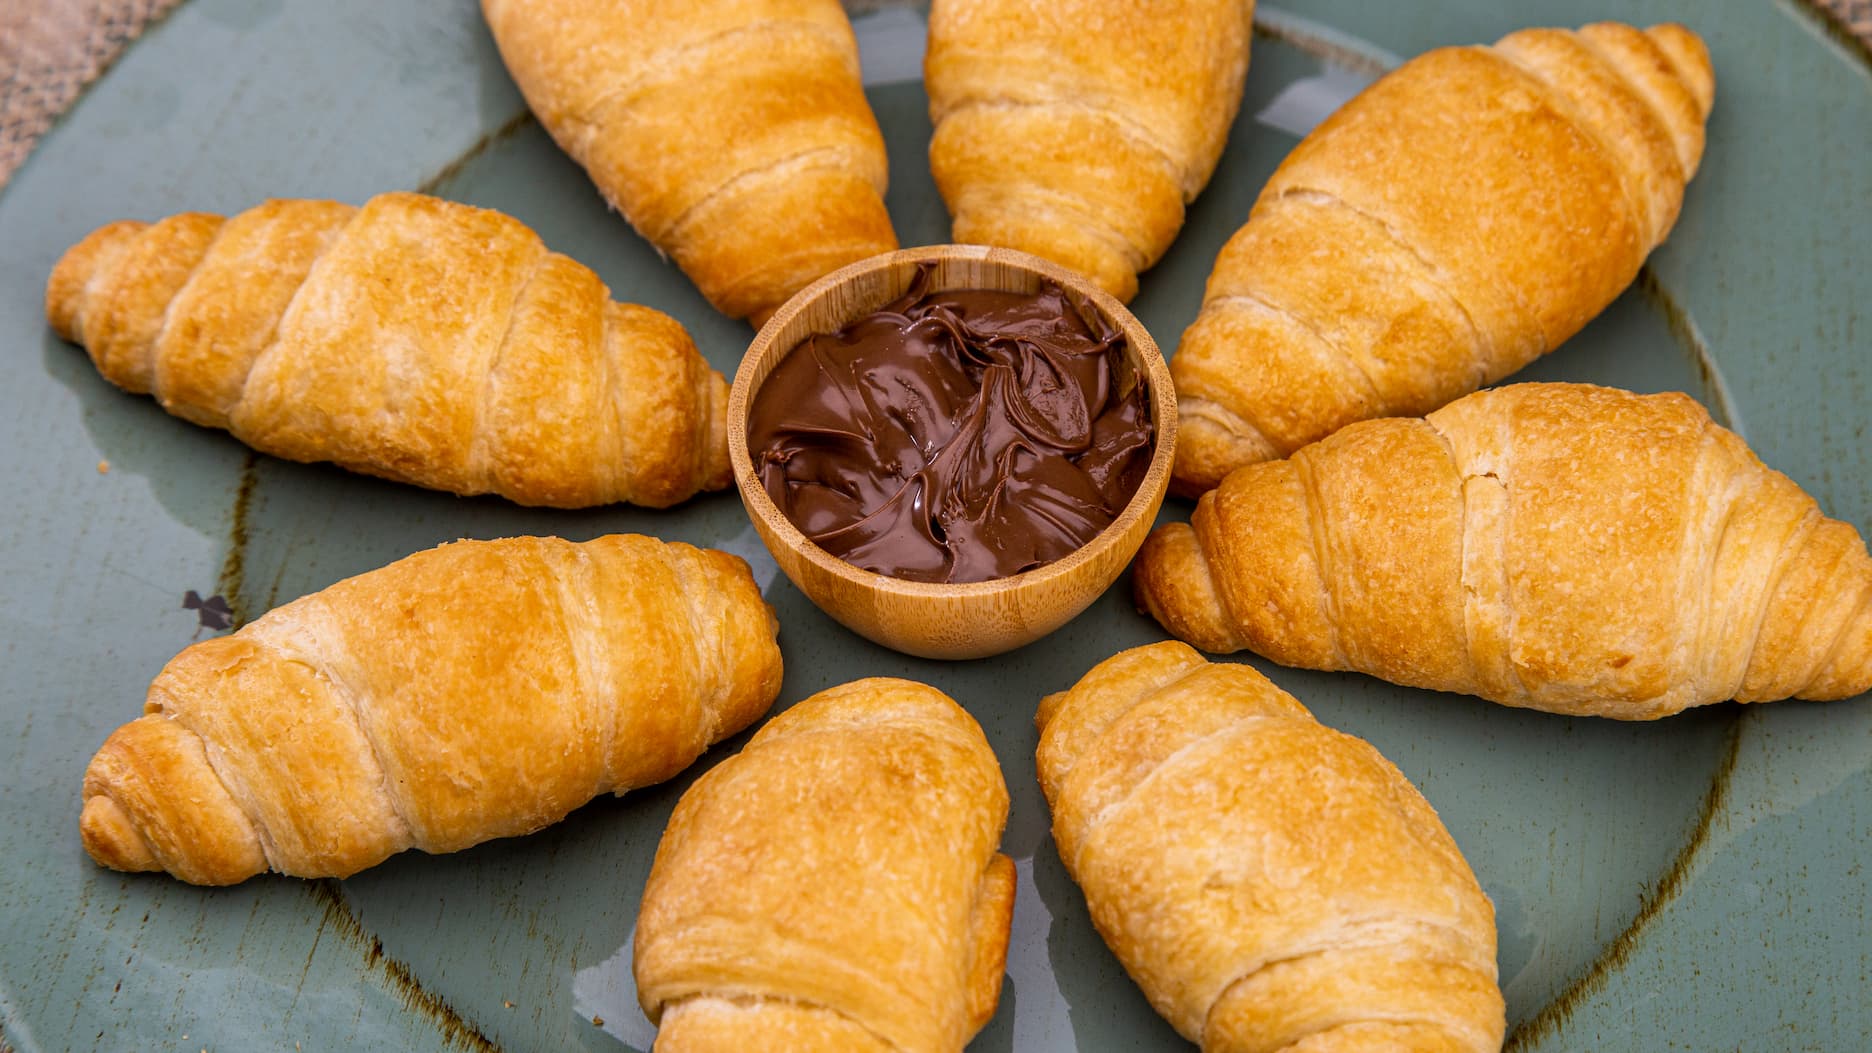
<point x="1271" y="884"/>
<point x="1463" y="216"/>
<point x="478" y="690"/>
<point x="1078" y="129"/>
<point x="1557" y="546"/>
<point x="413" y="338"/>
<point x="734" y="134"/>
<point x="835" y="886"/>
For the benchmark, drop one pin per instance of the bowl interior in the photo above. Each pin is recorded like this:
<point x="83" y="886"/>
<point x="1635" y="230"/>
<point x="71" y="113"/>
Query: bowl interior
<point x="863" y="287"/>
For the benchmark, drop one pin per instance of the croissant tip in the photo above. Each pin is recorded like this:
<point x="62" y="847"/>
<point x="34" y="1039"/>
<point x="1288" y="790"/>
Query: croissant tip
<point x="111" y="838"/>
<point x="64" y="293"/>
<point x="1690" y="55"/>
<point x="1049" y="708"/>
<point x="1212" y="442"/>
<point x="1191" y="476"/>
<point x="1172" y="583"/>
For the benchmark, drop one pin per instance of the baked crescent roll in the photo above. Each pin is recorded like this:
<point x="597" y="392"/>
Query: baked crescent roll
<point x="835" y="886"/>
<point x="1270" y="883"/>
<point x="1078" y="129"/>
<point x="734" y="134"/>
<point x="1557" y="546"/>
<point x="1461" y="217"/>
<point x="478" y="690"/>
<point x="413" y="338"/>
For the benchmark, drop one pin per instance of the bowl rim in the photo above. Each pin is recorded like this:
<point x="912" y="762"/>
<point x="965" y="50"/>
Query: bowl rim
<point x="1148" y="497"/>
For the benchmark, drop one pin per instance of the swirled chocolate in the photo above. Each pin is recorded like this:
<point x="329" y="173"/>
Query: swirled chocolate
<point x="955" y="436"/>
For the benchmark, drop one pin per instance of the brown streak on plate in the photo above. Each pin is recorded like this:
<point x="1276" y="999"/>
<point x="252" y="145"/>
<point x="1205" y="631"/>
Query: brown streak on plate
<point x="1684" y="331"/>
<point x="507" y="130"/>
<point x="1548" y="1019"/>
<point x="272" y="596"/>
<point x="1320" y="47"/>
<point x="455" y="1031"/>
<point x="234" y="564"/>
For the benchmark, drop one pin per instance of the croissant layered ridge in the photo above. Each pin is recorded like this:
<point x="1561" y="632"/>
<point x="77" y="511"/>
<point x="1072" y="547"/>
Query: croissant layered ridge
<point x="1462" y="216"/>
<point x="1271" y="884"/>
<point x="413" y="339"/>
<point x="1563" y="547"/>
<point x="835" y="886"/>
<point x="1078" y="130"/>
<point x="733" y="134"/>
<point x="478" y="690"/>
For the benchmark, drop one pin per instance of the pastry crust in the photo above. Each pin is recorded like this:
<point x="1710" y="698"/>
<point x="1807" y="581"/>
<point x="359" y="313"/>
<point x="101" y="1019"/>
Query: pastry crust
<point x="733" y="134"/>
<point x="1271" y="884"/>
<point x="1562" y="547"/>
<point x="413" y="338"/>
<point x="478" y="690"/>
<point x="1464" y="215"/>
<point x="1078" y="130"/>
<point x="835" y="886"/>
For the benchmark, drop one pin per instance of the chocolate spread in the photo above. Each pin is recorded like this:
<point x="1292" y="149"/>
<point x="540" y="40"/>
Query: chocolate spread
<point x="955" y="436"/>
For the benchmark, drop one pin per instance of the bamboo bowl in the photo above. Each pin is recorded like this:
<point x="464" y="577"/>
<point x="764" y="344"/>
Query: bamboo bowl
<point x="969" y="620"/>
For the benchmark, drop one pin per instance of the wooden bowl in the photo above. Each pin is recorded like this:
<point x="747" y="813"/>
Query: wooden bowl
<point x="940" y="620"/>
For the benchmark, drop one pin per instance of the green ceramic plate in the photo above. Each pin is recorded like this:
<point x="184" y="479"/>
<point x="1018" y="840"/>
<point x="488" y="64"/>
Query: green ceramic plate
<point x="1698" y="883"/>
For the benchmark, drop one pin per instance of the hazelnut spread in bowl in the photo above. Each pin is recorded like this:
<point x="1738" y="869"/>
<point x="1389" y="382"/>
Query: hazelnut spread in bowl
<point x="954" y="449"/>
<point x="956" y="435"/>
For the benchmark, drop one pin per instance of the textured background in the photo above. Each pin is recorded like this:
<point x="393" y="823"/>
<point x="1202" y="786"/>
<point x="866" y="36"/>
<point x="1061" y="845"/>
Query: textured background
<point x="51" y="49"/>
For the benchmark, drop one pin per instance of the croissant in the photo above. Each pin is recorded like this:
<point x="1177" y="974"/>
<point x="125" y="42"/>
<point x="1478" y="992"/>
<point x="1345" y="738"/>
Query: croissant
<point x="733" y="134"/>
<point x="482" y="689"/>
<point x="413" y="339"/>
<point x="1463" y="216"/>
<point x="1078" y="130"/>
<point x="1556" y="546"/>
<point x="1270" y="883"/>
<point x="835" y="886"/>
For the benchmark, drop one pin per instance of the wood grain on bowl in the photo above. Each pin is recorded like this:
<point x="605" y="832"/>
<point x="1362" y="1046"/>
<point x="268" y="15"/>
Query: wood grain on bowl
<point x="947" y="620"/>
